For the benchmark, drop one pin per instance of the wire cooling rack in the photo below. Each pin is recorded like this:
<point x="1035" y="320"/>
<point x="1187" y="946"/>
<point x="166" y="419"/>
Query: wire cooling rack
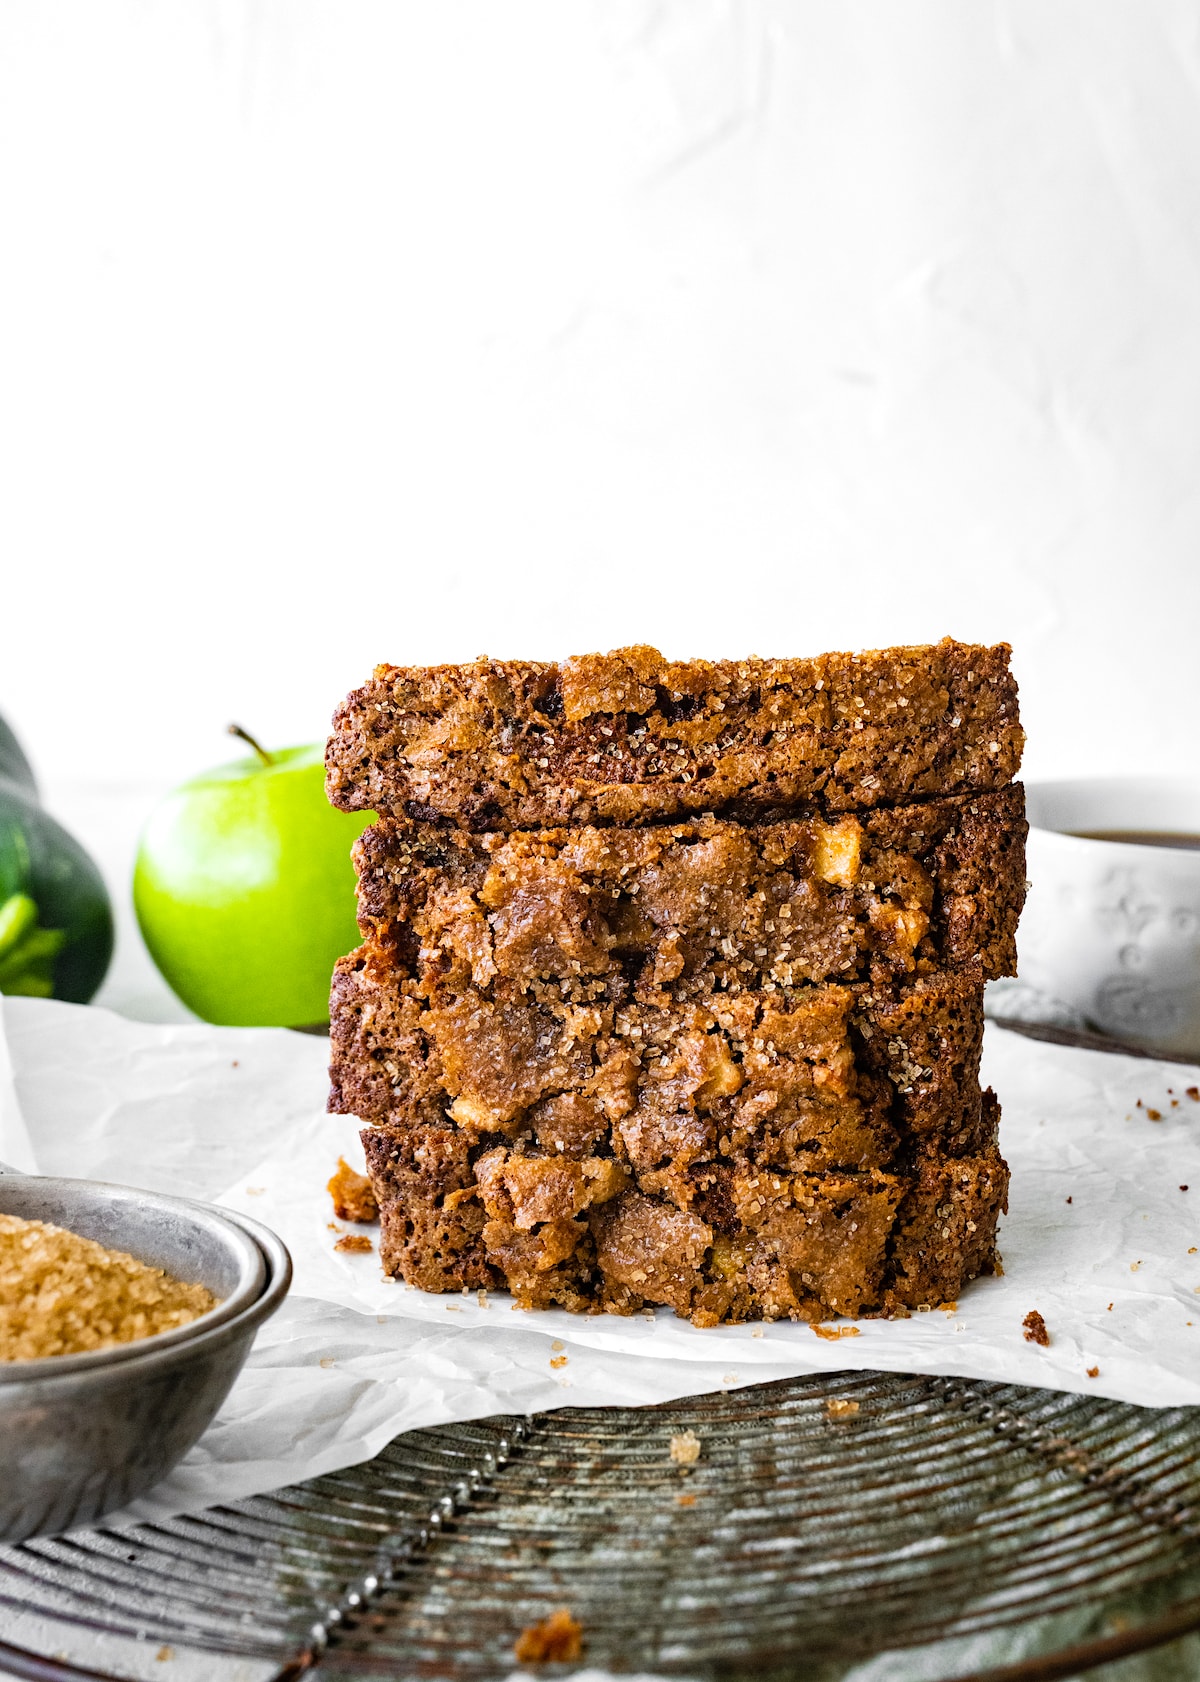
<point x="826" y="1519"/>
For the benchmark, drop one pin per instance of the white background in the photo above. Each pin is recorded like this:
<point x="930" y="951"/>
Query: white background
<point x="333" y="333"/>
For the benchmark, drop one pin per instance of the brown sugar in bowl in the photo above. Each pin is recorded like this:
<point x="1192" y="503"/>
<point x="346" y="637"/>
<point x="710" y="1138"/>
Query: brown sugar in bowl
<point x="84" y="1434"/>
<point x="61" y="1294"/>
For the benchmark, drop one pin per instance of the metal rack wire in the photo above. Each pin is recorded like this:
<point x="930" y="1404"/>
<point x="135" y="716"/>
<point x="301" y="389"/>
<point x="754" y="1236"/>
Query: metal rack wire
<point x="826" y="1518"/>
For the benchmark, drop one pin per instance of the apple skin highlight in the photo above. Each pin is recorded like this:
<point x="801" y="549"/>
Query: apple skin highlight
<point x="244" y="890"/>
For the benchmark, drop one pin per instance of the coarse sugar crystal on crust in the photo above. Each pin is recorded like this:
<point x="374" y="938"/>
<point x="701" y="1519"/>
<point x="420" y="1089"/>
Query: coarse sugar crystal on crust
<point x="706" y="905"/>
<point x="826" y="1076"/>
<point x="580" y="1234"/>
<point x="632" y="738"/>
<point x="749" y="1157"/>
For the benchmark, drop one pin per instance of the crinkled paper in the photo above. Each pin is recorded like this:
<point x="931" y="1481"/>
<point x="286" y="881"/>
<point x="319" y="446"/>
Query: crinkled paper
<point x="1102" y="1238"/>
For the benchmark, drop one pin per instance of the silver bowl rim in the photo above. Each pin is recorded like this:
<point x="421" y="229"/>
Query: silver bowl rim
<point x="148" y="1354"/>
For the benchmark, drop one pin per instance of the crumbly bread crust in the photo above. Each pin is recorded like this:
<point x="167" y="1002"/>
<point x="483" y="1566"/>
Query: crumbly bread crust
<point x="563" y="1157"/>
<point x="828" y="1077"/>
<point x="631" y="738"/>
<point x="702" y="907"/>
<point x="579" y="1234"/>
<point x="945" y="1232"/>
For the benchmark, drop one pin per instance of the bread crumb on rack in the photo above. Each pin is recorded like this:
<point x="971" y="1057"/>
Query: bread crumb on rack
<point x="685" y="1448"/>
<point x="557" y="1639"/>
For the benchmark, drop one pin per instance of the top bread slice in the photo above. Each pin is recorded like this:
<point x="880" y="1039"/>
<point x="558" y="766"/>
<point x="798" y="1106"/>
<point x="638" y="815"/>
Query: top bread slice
<point x="631" y="738"/>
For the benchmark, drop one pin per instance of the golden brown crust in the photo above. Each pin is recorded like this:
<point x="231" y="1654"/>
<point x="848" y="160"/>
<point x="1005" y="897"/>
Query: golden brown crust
<point x="827" y="1076"/>
<point x="739" y="1137"/>
<point x="708" y="904"/>
<point x="631" y="738"/>
<point x="946" y="1226"/>
<point x="801" y="1246"/>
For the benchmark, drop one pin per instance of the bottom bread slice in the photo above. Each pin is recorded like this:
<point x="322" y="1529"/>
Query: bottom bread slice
<point x="579" y="1233"/>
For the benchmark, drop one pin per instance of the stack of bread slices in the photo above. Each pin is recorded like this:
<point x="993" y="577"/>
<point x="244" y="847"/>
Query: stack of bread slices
<point x="672" y="973"/>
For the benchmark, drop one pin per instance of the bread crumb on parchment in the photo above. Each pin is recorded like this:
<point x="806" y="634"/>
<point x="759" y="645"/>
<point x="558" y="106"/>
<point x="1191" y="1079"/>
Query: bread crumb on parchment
<point x="1035" y="1329"/>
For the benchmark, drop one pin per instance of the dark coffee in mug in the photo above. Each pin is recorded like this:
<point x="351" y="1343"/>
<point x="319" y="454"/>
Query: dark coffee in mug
<point x="1141" y="837"/>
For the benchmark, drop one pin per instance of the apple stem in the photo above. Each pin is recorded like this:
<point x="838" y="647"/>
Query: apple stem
<point x="245" y="736"/>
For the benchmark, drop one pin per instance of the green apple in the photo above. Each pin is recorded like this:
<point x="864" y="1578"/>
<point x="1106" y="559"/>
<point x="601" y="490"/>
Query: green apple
<point x="244" y="889"/>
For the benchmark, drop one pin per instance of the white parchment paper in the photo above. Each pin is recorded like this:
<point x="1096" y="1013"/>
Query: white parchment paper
<point x="1102" y="1239"/>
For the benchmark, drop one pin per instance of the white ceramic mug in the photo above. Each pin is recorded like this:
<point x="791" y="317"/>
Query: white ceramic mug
<point x="1112" y="929"/>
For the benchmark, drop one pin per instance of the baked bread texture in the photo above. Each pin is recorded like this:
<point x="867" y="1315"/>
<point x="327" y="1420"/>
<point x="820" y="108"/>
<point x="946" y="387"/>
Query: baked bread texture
<point x="617" y="1050"/>
<point x="632" y="738"/>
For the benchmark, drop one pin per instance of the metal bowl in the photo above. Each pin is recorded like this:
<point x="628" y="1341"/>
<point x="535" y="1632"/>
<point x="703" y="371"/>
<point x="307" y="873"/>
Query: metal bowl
<point x="81" y="1435"/>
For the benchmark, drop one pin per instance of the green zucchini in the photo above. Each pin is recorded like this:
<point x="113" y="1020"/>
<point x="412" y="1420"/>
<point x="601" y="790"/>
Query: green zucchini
<point x="56" y="924"/>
